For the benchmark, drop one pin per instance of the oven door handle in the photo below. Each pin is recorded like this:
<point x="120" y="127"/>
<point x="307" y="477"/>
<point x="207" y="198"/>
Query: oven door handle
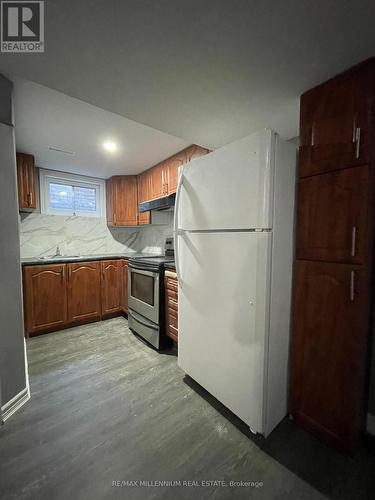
<point x="141" y="267"/>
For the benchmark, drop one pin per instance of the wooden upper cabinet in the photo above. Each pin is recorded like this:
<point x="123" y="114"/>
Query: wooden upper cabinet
<point x="144" y="186"/>
<point x="158" y="181"/>
<point x="122" y="200"/>
<point x="125" y="192"/>
<point x="192" y="152"/>
<point x="26" y="182"/>
<point x="331" y="307"/>
<point x="335" y="123"/>
<point x="173" y="165"/>
<point x="124" y="285"/>
<point x="45" y="298"/>
<point x="111" y="286"/>
<point x="332" y="216"/>
<point x="164" y="176"/>
<point x="83" y="292"/>
<point x="144" y="189"/>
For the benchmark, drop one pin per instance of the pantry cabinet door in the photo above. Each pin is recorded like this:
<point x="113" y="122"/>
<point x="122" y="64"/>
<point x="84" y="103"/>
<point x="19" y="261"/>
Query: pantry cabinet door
<point x="335" y="124"/>
<point x="332" y="213"/>
<point x="328" y="349"/>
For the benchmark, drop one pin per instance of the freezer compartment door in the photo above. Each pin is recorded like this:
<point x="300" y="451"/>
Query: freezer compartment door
<point x="223" y="317"/>
<point x="230" y="188"/>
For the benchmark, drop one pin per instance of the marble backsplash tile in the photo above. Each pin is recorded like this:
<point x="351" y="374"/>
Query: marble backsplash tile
<point x="40" y="234"/>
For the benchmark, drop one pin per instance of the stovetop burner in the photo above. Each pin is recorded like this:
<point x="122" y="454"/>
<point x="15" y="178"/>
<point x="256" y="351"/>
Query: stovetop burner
<point x="155" y="260"/>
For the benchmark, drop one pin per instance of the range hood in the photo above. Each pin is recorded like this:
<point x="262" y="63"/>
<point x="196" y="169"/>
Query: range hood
<point x="159" y="204"/>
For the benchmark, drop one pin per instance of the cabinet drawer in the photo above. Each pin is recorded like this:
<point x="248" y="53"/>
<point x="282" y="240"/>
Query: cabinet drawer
<point x="171" y="295"/>
<point x="171" y="284"/>
<point x="173" y="317"/>
<point x="172" y="333"/>
<point x="173" y="305"/>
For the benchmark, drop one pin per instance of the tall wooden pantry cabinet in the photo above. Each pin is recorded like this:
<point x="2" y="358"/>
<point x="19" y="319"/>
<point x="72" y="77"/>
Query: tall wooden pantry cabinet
<point x="334" y="254"/>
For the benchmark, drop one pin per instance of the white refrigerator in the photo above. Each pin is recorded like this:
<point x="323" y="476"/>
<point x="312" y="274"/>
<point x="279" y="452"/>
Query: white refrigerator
<point x="233" y="228"/>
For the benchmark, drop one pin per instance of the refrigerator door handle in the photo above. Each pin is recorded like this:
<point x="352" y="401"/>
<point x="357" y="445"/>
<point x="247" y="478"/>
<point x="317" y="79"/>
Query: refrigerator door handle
<point x="176" y="229"/>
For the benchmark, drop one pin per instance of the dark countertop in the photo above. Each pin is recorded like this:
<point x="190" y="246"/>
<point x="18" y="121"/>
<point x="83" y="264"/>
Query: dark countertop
<point x="170" y="265"/>
<point x="81" y="258"/>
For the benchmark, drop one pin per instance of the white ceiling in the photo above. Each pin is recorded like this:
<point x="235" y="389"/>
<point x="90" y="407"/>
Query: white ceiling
<point x="44" y="117"/>
<point x="209" y="71"/>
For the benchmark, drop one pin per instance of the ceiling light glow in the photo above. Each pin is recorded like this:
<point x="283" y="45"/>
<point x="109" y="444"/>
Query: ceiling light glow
<point x="110" y="146"/>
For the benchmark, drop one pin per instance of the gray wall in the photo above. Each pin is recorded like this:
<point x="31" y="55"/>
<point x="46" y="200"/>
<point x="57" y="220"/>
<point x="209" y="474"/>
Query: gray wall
<point x="76" y="235"/>
<point x="12" y="361"/>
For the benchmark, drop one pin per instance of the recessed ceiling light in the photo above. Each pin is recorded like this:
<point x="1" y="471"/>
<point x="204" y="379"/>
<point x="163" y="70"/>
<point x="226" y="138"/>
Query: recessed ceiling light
<point x="110" y="146"/>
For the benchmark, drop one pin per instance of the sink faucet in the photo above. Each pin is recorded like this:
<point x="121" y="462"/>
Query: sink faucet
<point x="57" y="253"/>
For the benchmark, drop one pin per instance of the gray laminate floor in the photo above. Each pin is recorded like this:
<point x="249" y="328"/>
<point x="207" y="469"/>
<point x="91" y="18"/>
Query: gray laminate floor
<point x="107" y="410"/>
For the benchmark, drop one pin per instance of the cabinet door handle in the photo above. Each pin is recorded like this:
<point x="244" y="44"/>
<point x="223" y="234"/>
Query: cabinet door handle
<point x="357" y="141"/>
<point x="62" y="273"/>
<point x="352" y="286"/>
<point x="354" y="237"/>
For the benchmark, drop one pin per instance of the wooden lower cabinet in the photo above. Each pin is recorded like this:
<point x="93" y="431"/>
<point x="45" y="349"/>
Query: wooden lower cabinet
<point x="111" y="287"/>
<point x="45" y="298"/>
<point x="124" y="286"/>
<point x="171" y="305"/>
<point x="331" y="303"/>
<point x="84" y="302"/>
<point x="57" y="296"/>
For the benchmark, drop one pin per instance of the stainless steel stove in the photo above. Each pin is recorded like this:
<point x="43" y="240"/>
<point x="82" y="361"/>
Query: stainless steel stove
<point x="146" y="296"/>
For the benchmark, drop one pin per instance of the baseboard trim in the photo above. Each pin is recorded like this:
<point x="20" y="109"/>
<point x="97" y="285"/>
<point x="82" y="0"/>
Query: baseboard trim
<point x="15" y="404"/>
<point x="370" y="424"/>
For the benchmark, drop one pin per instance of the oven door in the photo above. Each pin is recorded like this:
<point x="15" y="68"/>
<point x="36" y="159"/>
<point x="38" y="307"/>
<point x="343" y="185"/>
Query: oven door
<point x="144" y="293"/>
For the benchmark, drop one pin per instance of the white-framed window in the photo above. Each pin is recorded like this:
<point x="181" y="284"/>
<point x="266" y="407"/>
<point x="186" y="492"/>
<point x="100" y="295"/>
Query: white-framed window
<point x="62" y="193"/>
